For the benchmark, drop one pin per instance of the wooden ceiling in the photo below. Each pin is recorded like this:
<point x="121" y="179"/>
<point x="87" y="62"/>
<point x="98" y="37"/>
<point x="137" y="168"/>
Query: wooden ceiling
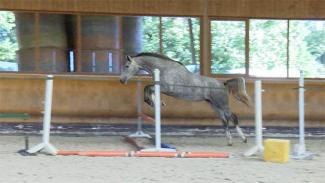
<point x="309" y="9"/>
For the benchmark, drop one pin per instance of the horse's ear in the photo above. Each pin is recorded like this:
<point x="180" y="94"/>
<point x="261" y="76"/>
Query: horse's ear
<point x="128" y="58"/>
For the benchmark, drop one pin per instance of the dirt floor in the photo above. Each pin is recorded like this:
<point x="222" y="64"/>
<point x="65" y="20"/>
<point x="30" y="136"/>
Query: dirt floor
<point x="15" y="168"/>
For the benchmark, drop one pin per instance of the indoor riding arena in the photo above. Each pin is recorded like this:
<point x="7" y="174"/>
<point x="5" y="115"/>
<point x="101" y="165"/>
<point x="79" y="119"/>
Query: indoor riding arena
<point x="146" y="91"/>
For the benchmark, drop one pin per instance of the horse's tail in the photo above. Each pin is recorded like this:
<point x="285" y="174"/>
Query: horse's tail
<point x="237" y="88"/>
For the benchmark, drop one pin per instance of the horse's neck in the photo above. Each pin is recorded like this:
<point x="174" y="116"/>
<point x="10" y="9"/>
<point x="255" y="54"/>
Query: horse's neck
<point x="151" y="63"/>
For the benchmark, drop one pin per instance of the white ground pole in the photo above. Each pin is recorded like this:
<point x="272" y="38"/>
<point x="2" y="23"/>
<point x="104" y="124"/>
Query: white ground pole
<point x="45" y="145"/>
<point x="258" y="148"/>
<point x="300" y="149"/>
<point x="139" y="132"/>
<point x="157" y="115"/>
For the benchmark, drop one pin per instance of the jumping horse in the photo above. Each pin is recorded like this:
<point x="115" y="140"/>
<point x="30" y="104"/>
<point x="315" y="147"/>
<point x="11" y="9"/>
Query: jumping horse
<point x="178" y="82"/>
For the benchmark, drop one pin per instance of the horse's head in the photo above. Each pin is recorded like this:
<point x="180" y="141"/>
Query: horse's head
<point x="130" y="68"/>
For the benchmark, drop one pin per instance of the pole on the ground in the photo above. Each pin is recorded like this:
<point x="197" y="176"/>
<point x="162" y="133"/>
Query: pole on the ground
<point x="45" y="144"/>
<point x="258" y="148"/>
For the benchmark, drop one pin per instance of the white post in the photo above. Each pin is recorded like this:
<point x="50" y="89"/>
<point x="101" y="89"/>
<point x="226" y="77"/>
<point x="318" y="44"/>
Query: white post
<point x="258" y="115"/>
<point x="93" y="62"/>
<point x="45" y="145"/>
<point x="300" y="149"/>
<point x="158" y="116"/>
<point x="157" y="108"/>
<point x="258" y="148"/>
<point x="48" y="109"/>
<point x="301" y="113"/>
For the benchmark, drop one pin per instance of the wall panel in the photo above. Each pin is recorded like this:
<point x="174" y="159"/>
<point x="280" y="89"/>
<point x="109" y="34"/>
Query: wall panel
<point x="106" y="100"/>
<point x="227" y="8"/>
<point x="156" y="7"/>
<point x="267" y="8"/>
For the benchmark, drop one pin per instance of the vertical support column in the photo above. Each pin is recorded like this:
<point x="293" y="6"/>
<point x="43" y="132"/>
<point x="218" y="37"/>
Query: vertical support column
<point x="205" y="42"/>
<point x="37" y="42"/>
<point x="247" y="47"/>
<point x="78" y="43"/>
<point x="160" y="36"/>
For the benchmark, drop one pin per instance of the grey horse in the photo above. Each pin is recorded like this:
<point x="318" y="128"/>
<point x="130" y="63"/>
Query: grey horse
<point x="178" y="82"/>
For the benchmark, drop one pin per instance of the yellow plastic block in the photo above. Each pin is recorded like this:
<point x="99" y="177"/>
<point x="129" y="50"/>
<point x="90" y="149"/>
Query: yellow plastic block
<point x="276" y="150"/>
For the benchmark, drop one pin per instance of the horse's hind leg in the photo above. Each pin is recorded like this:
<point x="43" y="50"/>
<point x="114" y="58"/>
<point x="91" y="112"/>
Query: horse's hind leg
<point x="225" y="121"/>
<point x="224" y="118"/>
<point x="239" y="130"/>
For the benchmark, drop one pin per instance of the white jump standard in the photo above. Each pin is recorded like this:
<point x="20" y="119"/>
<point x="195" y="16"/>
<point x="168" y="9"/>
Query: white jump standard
<point x="157" y="116"/>
<point x="258" y="148"/>
<point x="300" y="149"/>
<point x="46" y="146"/>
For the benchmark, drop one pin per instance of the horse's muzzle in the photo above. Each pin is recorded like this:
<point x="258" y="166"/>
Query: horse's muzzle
<point x="123" y="81"/>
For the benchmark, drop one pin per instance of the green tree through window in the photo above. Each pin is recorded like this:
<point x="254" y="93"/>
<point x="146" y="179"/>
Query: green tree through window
<point x="307" y="48"/>
<point x="228" y="47"/>
<point x="8" y="41"/>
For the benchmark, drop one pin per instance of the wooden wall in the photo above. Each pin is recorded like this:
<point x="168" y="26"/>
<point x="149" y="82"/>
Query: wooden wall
<point x="103" y="99"/>
<point x="227" y="8"/>
<point x="267" y="8"/>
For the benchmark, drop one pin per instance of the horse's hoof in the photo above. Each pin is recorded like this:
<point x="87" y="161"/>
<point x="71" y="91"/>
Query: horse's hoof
<point x="229" y="144"/>
<point x="245" y="140"/>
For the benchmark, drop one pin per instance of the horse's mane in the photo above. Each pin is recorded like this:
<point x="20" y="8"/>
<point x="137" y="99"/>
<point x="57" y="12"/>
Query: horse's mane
<point x="158" y="56"/>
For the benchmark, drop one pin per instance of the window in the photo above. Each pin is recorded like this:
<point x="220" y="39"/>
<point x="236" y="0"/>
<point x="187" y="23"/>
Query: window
<point x="100" y="48"/>
<point x="276" y="48"/>
<point x="268" y="48"/>
<point x="180" y="40"/>
<point x="8" y="42"/>
<point x="61" y="43"/>
<point x="228" y="47"/>
<point x="151" y="34"/>
<point x="175" y="37"/>
<point x="307" y="48"/>
<point x="54" y="39"/>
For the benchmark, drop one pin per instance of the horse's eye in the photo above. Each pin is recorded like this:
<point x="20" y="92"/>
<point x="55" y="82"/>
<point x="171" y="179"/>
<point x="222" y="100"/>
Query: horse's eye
<point x="127" y="66"/>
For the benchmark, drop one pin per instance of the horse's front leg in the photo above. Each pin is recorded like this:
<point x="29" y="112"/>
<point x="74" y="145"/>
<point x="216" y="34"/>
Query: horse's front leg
<point x="149" y="96"/>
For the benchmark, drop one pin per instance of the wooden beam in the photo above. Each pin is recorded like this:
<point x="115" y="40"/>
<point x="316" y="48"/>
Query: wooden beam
<point x="247" y="47"/>
<point x="120" y="46"/>
<point x="160" y="36"/>
<point x="77" y="34"/>
<point x="137" y="7"/>
<point x="267" y="8"/>
<point x="37" y="51"/>
<point x="224" y="8"/>
<point x="205" y="43"/>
